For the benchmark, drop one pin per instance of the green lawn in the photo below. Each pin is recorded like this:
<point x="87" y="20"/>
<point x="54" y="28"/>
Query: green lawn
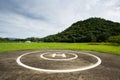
<point x="99" y="47"/>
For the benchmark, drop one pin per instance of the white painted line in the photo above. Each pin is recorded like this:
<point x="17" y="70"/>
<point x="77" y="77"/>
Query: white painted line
<point x="53" y="55"/>
<point x="58" y="71"/>
<point x="67" y="59"/>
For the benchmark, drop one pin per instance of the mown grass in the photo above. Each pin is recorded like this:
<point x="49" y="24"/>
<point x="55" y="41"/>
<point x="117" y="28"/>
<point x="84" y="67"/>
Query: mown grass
<point x="99" y="47"/>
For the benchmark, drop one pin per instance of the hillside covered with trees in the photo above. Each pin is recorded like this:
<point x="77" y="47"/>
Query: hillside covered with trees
<point x="90" y="30"/>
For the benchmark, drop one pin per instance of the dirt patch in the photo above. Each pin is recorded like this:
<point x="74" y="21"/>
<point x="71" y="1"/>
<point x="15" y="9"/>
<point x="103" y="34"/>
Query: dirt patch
<point x="108" y="70"/>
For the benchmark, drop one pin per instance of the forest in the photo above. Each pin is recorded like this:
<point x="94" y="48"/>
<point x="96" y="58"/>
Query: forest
<point x="89" y="30"/>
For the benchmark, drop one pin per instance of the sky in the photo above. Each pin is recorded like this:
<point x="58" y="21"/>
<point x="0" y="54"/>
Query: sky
<point x="40" y="18"/>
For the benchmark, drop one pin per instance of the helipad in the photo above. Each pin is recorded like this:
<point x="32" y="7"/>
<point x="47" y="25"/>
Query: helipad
<point x="59" y="56"/>
<point x="58" y="61"/>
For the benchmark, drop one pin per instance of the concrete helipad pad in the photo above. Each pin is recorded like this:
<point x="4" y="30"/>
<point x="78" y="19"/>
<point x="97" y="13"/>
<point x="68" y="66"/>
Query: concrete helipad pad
<point x="63" y="61"/>
<point x="58" y="61"/>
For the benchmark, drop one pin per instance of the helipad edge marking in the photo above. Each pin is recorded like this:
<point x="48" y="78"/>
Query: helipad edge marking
<point x="58" y="71"/>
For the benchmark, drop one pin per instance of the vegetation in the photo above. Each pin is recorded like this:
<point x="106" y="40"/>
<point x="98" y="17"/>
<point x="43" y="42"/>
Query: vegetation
<point x="99" y="47"/>
<point x="114" y="39"/>
<point x="4" y="39"/>
<point x="32" y="39"/>
<point x="90" y="30"/>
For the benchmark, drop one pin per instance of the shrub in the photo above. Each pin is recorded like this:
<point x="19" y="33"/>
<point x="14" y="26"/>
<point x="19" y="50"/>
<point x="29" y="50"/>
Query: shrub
<point x="115" y="39"/>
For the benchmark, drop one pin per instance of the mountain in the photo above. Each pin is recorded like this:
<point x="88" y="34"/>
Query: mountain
<point x="89" y="30"/>
<point x="12" y="38"/>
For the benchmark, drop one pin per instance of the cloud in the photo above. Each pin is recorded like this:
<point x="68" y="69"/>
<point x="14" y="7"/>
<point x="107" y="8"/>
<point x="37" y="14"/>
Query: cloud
<point x="39" y="18"/>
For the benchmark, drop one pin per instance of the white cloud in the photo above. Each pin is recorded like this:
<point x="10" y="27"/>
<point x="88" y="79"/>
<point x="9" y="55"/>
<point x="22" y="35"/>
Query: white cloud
<point x="20" y="26"/>
<point x="40" y="18"/>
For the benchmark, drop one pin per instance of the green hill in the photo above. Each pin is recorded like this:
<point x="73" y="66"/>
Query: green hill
<point x="90" y="30"/>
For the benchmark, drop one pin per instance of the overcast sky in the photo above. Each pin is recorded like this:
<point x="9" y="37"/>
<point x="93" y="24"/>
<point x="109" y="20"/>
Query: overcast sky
<point x="39" y="18"/>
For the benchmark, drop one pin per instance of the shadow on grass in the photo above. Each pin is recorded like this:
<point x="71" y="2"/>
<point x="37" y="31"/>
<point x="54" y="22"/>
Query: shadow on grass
<point x="103" y="43"/>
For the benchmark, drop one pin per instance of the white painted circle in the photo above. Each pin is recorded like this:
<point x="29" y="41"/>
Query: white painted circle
<point x="67" y="59"/>
<point x="58" y="71"/>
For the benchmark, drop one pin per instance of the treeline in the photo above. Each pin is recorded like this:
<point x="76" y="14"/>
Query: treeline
<point x="90" y="30"/>
<point x="11" y="40"/>
<point x="32" y="39"/>
<point x="4" y="39"/>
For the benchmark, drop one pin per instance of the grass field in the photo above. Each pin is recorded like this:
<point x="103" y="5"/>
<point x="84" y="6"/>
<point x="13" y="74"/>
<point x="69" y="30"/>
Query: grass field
<point x="99" y="47"/>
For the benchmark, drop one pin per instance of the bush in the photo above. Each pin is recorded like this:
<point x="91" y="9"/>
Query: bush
<point x="115" y="39"/>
